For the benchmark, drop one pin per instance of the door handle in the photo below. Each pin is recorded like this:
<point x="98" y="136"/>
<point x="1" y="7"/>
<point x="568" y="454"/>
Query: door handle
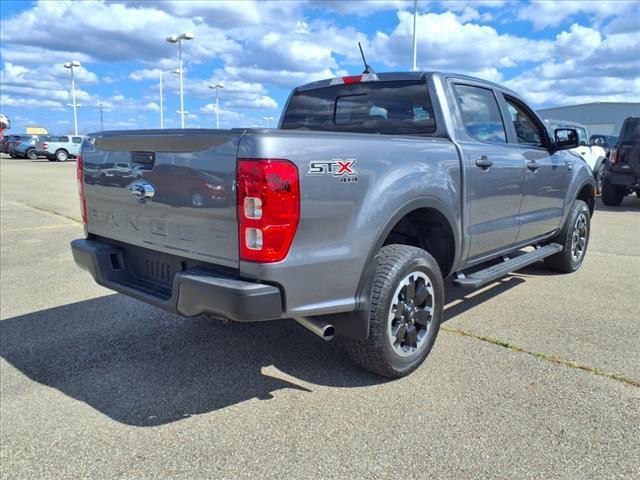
<point x="532" y="165"/>
<point x="483" y="162"/>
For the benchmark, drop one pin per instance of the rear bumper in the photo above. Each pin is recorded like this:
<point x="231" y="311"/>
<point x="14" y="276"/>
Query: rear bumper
<point x="194" y="291"/>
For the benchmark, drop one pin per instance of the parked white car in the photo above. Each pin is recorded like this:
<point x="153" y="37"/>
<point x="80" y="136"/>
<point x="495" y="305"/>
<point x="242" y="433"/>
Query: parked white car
<point x="594" y="155"/>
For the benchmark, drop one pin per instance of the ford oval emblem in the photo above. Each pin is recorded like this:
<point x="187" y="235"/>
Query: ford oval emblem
<point x="142" y="191"/>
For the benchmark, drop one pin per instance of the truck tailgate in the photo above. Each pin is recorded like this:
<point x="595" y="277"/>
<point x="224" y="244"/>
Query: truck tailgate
<point x="189" y="182"/>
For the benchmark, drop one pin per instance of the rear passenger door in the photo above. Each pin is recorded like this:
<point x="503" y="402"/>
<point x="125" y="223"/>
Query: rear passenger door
<point x="494" y="172"/>
<point x="545" y="174"/>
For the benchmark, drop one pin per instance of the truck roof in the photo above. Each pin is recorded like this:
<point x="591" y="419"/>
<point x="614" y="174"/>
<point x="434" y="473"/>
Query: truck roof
<point x="399" y="76"/>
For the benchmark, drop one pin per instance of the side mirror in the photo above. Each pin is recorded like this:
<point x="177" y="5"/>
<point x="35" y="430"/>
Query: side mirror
<point x="566" y="139"/>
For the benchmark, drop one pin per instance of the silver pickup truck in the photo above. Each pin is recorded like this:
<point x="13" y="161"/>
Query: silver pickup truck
<point x="351" y="217"/>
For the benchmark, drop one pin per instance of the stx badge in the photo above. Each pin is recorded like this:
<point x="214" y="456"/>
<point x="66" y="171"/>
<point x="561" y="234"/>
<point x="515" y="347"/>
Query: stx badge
<point x="337" y="167"/>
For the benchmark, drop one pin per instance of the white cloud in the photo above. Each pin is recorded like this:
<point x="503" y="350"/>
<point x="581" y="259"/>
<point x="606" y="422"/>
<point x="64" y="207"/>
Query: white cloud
<point x="9" y="101"/>
<point x="112" y="31"/>
<point x="445" y="43"/>
<point x="544" y="13"/>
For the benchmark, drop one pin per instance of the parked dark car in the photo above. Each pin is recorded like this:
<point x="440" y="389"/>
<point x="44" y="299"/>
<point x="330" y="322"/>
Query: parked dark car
<point x="623" y="174"/>
<point x="4" y="145"/>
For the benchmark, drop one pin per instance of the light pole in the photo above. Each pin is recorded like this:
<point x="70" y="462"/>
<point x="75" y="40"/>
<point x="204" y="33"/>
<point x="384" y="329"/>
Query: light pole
<point x="70" y="66"/>
<point x="216" y="87"/>
<point x="178" y="39"/>
<point x="415" y="34"/>
<point x="162" y="72"/>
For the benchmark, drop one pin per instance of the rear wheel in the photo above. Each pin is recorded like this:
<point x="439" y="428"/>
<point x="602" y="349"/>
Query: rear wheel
<point x="612" y="195"/>
<point x="574" y="238"/>
<point x="405" y="313"/>
<point x="31" y="154"/>
<point x="62" y="156"/>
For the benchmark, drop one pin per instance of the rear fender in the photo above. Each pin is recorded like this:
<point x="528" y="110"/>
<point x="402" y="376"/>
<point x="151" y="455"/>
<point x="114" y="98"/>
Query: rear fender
<point x="355" y="324"/>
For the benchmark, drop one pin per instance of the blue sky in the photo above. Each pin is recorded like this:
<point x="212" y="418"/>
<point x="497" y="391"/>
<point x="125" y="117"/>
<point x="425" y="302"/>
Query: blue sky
<point x="553" y="53"/>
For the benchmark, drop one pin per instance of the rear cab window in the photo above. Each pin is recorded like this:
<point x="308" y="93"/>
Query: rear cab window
<point x="480" y="113"/>
<point x="391" y="107"/>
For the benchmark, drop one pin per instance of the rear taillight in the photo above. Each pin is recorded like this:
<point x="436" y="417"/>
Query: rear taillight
<point x="45" y="146"/>
<point x="16" y="143"/>
<point x="613" y="156"/>
<point x="83" y="199"/>
<point x="268" y="208"/>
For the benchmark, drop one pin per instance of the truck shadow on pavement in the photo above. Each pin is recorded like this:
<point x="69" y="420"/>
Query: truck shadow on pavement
<point x="143" y="367"/>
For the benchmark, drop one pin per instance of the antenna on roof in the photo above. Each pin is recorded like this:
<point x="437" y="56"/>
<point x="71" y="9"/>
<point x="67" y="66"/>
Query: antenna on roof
<point x="367" y="67"/>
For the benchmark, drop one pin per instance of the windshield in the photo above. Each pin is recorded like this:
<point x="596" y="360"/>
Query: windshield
<point x="399" y="107"/>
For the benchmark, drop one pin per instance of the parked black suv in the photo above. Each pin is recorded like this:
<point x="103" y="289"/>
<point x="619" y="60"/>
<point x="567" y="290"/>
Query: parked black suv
<point x="623" y="174"/>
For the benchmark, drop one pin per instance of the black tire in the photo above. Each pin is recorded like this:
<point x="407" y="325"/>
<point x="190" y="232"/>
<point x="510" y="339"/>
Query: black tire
<point x="573" y="240"/>
<point x="598" y="176"/>
<point x="31" y="154"/>
<point x="612" y="195"/>
<point x="638" y="193"/>
<point x="377" y="353"/>
<point x="62" y="156"/>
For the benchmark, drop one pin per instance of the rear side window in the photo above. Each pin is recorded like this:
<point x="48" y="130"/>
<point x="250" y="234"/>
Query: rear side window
<point x="480" y="114"/>
<point x="399" y="107"/>
<point x="582" y="136"/>
<point x="63" y="139"/>
<point x="77" y="139"/>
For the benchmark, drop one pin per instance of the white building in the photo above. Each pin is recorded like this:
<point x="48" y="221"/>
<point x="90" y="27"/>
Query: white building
<point x="604" y="118"/>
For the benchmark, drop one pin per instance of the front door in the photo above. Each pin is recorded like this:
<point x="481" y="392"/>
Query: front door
<point x="494" y="173"/>
<point x="545" y="174"/>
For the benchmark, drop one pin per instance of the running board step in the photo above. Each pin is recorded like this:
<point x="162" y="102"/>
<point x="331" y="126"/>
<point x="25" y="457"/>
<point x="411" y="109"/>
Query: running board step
<point x="487" y="275"/>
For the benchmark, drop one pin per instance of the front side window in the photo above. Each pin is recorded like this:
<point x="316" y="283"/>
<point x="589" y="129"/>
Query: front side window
<point x="528" y="132"/>
<point x="480" y="114"/>
<point x="63" y="139"/>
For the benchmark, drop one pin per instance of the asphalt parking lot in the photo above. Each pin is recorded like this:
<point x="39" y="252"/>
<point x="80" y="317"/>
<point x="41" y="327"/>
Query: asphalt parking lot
<point x="535" y="376"/>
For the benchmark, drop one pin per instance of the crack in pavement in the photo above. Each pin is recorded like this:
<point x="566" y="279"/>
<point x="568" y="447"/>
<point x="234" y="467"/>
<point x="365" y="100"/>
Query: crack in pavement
<point x="41" y="209"/>
<point x="544" y="356"/>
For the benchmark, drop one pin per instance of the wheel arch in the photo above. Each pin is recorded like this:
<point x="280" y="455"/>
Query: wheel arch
<point x="356" y="324"/>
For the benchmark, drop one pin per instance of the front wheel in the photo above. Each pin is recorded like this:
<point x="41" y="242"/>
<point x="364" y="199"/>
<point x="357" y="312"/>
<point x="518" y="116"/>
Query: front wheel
<point x="31" y="154"/>
<point x="405" y="313"/>
<point x="574" y="239"/>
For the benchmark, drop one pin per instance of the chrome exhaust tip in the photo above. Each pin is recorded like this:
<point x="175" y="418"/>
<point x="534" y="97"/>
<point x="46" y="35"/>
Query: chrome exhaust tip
<point x="321" y="328"/>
